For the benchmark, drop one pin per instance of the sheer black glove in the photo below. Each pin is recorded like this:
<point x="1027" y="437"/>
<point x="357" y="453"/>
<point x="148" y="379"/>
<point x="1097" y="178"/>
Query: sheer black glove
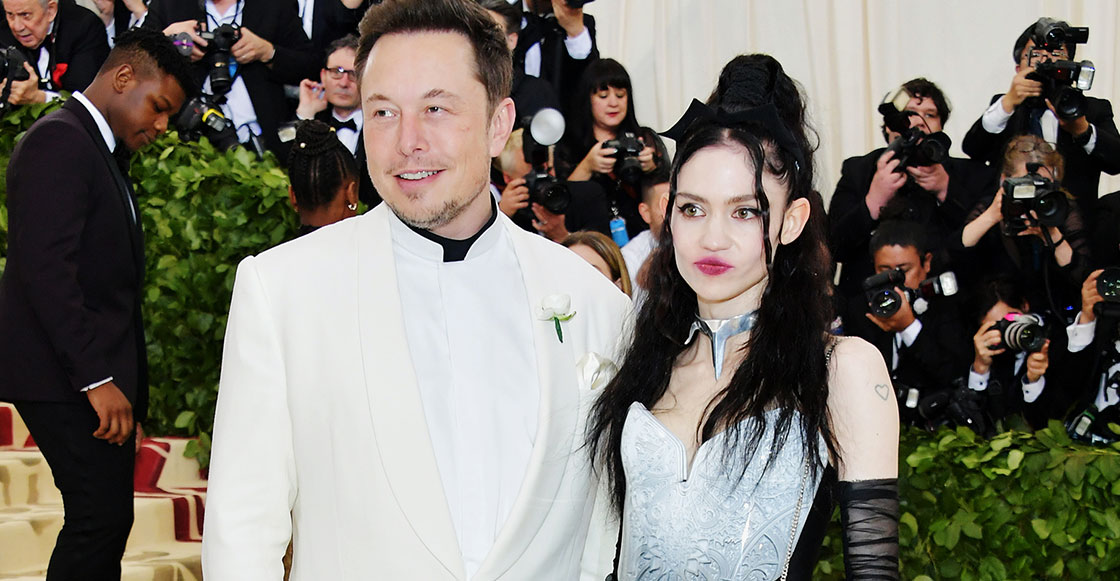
<point x="869" y="517"/>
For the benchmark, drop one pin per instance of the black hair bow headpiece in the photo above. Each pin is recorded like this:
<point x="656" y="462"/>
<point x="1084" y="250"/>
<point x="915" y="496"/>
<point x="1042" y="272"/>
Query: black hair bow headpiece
<point x="765" y="115"/>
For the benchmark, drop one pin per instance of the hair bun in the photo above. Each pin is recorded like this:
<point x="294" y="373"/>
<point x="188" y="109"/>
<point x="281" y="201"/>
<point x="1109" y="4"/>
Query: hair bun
<point x="314" y="138"/>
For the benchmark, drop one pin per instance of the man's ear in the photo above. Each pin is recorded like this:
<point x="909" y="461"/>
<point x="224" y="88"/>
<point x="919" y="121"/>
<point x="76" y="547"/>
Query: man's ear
<point x="927" y="260"/>
<point x="123" y="76"/>
<point x="52" y="10"/>
<point x="292" y="199"/>
<point x="645" y="212"/>
<point x="794" y="220"/>
<point x="501" y="125"/>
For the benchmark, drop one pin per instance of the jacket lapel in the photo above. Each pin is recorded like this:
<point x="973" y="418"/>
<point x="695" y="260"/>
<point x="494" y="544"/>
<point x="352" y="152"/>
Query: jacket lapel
<point x="395" y="408"/>
<point x="124" y="188"/>
<point x="557" y="418"/>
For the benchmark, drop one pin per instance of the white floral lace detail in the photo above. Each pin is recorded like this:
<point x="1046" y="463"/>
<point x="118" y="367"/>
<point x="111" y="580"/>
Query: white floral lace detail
<point x="708" y="525"/>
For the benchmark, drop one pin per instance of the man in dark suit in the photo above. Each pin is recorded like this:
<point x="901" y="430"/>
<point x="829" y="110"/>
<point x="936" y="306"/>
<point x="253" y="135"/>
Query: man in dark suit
<point x="1089" y="143"/>
<point x="72" y="352"/>
<point x="64" y="45"/>
<point x="334" y="100"/>
<point x="271" y="51"/>
<point x="923" y="343"/>
<point x="872" y="187"/>
<point x="556" y="44"/>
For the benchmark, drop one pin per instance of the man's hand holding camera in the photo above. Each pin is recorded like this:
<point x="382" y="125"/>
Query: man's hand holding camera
<point x="549" y="224"/>
<point x="1090" y="296"/>
<point x="515" y="196"/>
<point x="25" y="92"/>
<point x="570" y="19"/>
<point x="932" y="178"/>
<point x="1021" y="89"/>
<point x="189" y="27"/>
<point x="884" y="184"/>
<point x="988" y="342"/>
<point x="252" y="48"/>
<point x="900" y="319"/>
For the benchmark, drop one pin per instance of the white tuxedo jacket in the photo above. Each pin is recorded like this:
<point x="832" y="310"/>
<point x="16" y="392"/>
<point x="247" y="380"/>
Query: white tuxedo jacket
<point x="320" y="432"/>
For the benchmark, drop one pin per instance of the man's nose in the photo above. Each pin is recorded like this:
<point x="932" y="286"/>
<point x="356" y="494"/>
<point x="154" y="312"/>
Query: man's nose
<point x="410" y="138"/>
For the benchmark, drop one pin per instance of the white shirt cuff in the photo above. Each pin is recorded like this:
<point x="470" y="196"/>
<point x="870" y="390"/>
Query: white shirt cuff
<point x="995" y="118"/>
<point x="1080" y="334"/>
<point x="98" y="384"/>
<point x="1031" y="391"/>
<point x="910" y="333"/>
<point x="579" y="47"/>
<point x="978" y="381"/>
<point x="52" y="96"/>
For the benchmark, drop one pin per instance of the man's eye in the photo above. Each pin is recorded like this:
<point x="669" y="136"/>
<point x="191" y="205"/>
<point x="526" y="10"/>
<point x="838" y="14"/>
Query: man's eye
<point x="382" y="113"/>
<point x="435" y="109"/>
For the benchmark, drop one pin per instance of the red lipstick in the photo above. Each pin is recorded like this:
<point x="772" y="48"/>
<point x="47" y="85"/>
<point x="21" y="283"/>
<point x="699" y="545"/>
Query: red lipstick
<point x="712" y="266"/>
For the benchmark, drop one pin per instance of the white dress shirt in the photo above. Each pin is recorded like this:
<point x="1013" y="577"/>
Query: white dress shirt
<point x="346" y="136"/>
<point x="1031" y="390"/>
<point x="579" y="48"/>
<point x="480" y="389"/>
<point x="995" y="121"/>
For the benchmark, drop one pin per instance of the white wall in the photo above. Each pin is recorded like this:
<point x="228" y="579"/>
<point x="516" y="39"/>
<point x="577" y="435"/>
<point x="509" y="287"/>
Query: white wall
<point x="846" y="53"/>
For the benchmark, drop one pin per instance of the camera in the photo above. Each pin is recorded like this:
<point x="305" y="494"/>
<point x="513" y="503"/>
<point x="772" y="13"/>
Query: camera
<point x="1024" y="332"/>
<point x="1032" y="193"/>
<point x="913" y="148"/>
<point x="11" y="69"/>
<point x="1051" y="35"/>
<point x="884" y="301"/>
<point x="219" y="46"/>
<point x="1063" y="82"/>
<point x="542" y="131"/>
<point x="627" y="148"/>
<point x="1108" y="284"/>
<point x="203" y="117"/>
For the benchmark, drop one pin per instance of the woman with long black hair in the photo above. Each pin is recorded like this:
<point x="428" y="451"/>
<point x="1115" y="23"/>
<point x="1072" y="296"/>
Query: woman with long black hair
<point x="601" y="114"/>
<point x="733" y="397"/>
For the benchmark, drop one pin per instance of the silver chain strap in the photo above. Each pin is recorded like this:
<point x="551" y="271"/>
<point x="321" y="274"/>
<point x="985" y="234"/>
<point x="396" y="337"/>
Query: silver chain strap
<point x="801" y="492"/>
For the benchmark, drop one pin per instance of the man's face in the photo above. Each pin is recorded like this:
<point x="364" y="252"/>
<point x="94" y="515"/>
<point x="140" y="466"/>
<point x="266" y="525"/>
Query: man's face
<point x="143" y="107"/>
<point x="430" y="132"/>
<point x="923" y="115"/>
<point x="906" y="259"/>
<point x="29" y="21"/>
<point x="341" y="86"/>
<point x="1032" y="56"/>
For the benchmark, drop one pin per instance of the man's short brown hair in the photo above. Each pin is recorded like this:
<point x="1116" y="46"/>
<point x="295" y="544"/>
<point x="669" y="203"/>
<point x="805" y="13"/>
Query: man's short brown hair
<point x="493" y="63"/>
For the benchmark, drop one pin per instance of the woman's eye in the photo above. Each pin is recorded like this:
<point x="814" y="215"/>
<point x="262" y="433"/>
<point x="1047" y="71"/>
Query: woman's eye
<point x="689" y="210"/>
<point x="747" y="213"/>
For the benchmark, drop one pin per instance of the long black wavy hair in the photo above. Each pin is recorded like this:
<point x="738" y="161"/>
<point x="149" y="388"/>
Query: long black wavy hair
<point x="784" y="367"/>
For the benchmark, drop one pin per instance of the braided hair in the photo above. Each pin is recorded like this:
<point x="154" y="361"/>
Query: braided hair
<point x="319" y="165"/>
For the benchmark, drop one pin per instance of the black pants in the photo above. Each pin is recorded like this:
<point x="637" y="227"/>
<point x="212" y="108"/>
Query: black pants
<point x="95" y="478"/>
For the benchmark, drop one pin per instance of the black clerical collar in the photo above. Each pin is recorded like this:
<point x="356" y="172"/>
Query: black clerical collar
<point x="456" y="250"/>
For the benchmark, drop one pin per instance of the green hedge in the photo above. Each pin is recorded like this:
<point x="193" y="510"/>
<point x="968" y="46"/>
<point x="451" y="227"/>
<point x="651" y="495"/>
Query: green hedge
<point x="203" y="211"/>
<point x="1020" y="506"/>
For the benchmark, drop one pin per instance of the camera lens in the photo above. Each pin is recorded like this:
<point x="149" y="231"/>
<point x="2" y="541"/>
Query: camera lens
<point x="884" y="303"/>
<point x="1108" y="284"/>
<point x="1024" y="334"/>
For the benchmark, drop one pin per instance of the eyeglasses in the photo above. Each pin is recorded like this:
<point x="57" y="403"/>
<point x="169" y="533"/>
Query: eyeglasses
<point x="1029" y="145"/>
<point x="337" y="73"/>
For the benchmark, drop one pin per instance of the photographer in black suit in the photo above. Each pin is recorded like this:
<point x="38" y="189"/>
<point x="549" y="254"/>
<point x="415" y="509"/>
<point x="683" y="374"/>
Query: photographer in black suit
<point x="874" y="187"/>
<point x="923" y="342"/>
<point x="1088" y="142"/>
<point x="556" y="44"/>
<point x="270" y="50"/>
<point x="64" y="44"/>
<point x="72" y="351"/>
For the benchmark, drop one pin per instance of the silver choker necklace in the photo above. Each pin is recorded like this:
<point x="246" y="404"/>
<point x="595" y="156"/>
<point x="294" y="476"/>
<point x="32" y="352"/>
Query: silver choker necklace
<point x="719" y="331"/>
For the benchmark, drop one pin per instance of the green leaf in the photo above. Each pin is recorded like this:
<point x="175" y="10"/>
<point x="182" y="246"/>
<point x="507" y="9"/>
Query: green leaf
<point x="1041" y="528"/>
<point x="185" y="418"/>
<point x="1015" y="458"/>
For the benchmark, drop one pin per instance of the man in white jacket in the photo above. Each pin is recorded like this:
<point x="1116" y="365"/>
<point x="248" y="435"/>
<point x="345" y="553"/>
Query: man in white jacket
<point x="403" y="394"/>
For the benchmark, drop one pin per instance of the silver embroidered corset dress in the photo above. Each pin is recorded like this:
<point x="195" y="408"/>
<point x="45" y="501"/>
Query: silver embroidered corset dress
<point x="708" y="524"/>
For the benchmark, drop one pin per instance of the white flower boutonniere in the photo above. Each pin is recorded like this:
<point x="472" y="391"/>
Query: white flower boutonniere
<point x="556" y="308"/>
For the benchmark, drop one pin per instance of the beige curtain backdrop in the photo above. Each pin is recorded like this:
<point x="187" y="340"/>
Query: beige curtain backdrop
<point x="846" y="53"/>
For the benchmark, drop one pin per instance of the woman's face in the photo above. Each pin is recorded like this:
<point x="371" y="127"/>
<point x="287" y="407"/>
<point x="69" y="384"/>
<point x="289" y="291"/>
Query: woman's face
<point x="717" y="229"/>
<point x="588" y="253"/>
<point x="609" y="106"/>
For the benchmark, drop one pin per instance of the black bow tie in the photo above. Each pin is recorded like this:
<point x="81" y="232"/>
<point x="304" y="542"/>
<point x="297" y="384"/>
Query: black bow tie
<point x="348" y="124"/>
